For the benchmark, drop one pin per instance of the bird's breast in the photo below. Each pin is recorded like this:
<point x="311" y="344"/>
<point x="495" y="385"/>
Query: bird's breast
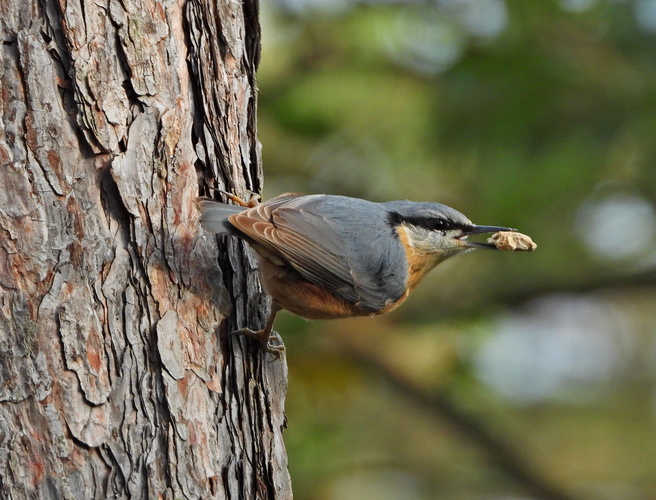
<point x="419" y="263"/>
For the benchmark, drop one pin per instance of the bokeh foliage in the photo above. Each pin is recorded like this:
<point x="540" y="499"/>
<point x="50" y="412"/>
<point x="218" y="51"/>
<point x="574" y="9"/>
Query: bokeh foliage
<point x="538" y="115"/>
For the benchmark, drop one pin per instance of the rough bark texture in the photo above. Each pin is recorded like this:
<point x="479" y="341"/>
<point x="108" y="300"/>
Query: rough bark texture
<point x="114" y="380"/>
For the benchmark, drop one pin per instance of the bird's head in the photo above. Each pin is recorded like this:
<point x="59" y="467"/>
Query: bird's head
<point x="438" y="230"/>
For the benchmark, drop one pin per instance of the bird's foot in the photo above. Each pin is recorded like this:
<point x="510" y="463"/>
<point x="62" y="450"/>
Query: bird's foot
<point x="252" y="202"/>
<point x="264" y="338"/>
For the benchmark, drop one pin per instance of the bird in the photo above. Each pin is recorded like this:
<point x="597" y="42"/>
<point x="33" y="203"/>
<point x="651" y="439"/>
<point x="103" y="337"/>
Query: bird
<point x="327" y="256"/>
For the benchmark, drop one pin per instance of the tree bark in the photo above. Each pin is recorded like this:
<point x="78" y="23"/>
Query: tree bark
<point x="114" y="379"/>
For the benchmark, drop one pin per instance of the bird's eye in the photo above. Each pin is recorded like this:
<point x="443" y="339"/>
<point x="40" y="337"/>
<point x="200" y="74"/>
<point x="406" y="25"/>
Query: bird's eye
<point x="438" y="224"/>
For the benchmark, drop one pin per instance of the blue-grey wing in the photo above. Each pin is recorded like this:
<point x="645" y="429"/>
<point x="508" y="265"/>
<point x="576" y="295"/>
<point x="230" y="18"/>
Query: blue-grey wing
<point x="342" y="244"/>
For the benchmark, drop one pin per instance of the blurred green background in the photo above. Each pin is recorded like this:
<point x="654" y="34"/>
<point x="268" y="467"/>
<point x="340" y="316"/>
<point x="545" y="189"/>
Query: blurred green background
<point x="505" y="376"/>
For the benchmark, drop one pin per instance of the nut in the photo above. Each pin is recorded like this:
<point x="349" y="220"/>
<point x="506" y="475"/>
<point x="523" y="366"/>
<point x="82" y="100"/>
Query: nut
<point x="513" y="241"/>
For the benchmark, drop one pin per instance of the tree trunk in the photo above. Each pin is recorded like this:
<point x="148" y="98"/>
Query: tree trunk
<point x="114" y="379"/>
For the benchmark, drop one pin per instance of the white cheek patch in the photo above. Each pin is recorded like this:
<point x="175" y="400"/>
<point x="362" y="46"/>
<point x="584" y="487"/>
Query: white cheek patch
<point x="432" y="242"/>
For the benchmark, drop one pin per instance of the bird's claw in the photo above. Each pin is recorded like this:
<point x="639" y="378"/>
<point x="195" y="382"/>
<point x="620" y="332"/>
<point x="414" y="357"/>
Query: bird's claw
<point x="263" y="337"/>
<point x="252" y="202"/>
<point x="276" y="349"/>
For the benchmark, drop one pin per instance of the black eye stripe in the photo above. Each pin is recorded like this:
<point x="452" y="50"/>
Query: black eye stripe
<point x="430" y="223"/>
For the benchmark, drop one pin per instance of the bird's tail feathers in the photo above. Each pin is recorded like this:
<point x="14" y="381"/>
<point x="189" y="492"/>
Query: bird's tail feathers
<point x="215" y="215"/>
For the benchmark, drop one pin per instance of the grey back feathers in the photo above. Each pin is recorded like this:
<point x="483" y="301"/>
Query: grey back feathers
<point x="345" y="245"/>
<point x="364" y="251"/>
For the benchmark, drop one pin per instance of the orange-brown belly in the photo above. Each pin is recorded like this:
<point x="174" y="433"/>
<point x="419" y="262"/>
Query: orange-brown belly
<point x="304" y="298"/>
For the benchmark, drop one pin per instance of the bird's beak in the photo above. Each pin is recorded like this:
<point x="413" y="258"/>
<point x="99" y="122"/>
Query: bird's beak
<point x="474" y="229"/>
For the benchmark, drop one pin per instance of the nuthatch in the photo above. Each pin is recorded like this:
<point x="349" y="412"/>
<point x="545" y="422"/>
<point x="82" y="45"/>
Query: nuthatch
<point x="325" y="257"/>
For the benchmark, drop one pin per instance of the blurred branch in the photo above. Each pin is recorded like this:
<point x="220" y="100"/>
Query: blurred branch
<point x="594" y="283"/>
<point x="500" y="453"/>
<point x="450" y="307"/>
